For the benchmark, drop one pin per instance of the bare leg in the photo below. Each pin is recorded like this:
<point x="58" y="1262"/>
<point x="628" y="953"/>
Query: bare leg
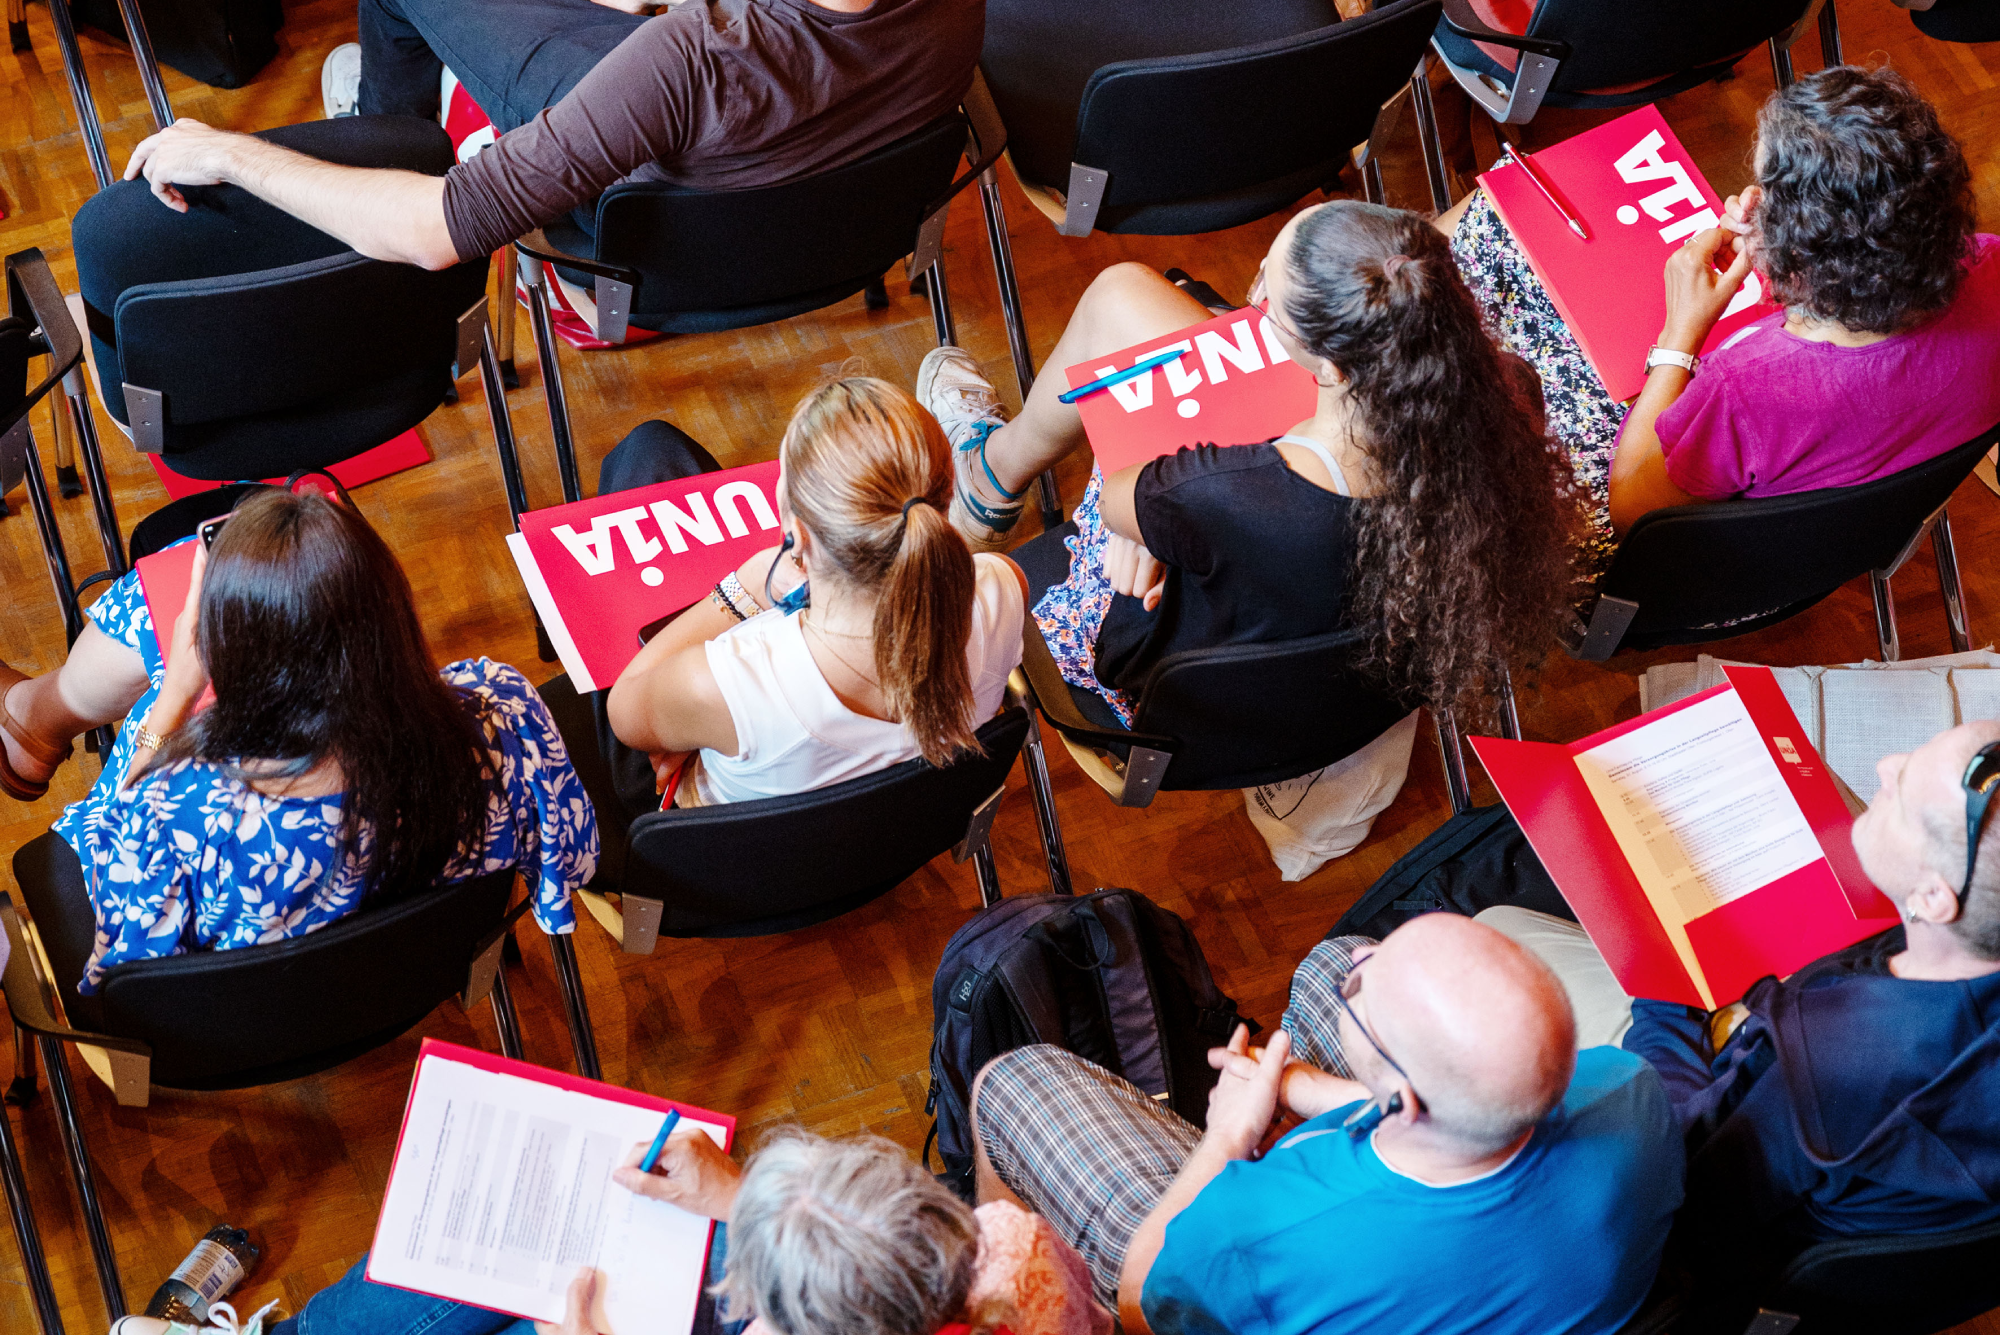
<point x="987" y="1186"/>
<point x="1126" y="304"/>
<point x="99" y="684"/>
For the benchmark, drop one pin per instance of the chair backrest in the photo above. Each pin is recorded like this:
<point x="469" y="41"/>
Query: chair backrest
<point x="1639" y="41"/>
<point x="1247" y="714"/>
<point x="1177" y="128"/>
<point x="774" y="251"/>
<point x="231" y="1019"/>
<point x="758" y="868"/>
<point x="1895" y="1285"/>
<point x="1701" y="567"/>
<point x="1039" y="55"/>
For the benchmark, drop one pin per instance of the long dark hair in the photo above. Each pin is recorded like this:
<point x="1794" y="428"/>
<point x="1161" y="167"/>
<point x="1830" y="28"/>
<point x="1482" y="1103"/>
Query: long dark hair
<point x="857" y="452"/>
<point x="1466" y="559"/>
<point x="310" y="634"/>
<point x="1868" y="212"/>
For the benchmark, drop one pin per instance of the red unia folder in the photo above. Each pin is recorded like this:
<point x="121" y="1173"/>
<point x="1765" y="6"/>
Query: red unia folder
<point x="1234" y="385"/>
<point x="501" y="1192"/>
<point x="1703" y="846"/>
<point x="164" y="578"/>
<point x="1640" y="197"/>
<point x="601" y="570"/>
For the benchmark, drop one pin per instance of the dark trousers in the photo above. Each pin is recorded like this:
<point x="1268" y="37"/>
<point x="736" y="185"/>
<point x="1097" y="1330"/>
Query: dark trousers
<point x="619" y="779"/>
<point x="124" y="237"/>
<point x="515" y="57"/>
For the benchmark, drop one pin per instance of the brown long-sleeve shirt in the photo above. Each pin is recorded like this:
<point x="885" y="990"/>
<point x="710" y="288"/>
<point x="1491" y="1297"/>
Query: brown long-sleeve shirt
<point x="722" y="95"/>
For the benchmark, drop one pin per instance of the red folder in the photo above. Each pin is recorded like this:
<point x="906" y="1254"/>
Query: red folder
<point x="1823" y="906"/>
<point x="487" y="1061"/>
<point x="1640" y="197"/>
<point x="601" y="570"/>
<point x="164" y="578"/>
<point x="1234" y="386"/>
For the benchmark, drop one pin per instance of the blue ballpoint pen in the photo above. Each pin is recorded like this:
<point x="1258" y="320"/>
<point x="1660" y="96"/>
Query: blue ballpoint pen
<point x="1132" y="372"/>
<point x="660" y="1141"/>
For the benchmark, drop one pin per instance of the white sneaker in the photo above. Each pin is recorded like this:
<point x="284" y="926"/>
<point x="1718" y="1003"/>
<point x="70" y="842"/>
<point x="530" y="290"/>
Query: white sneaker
<point x="951" y="385"/>
<point x="339" y="88"/>
<point x="222" y="1320"/>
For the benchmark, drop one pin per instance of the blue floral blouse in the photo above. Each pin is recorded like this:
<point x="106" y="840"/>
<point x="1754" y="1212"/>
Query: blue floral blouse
<point x="189" y="858"/>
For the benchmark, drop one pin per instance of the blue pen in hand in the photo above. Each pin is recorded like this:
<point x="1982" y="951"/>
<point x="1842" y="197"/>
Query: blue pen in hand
<point x="660" y="1141"/>
<point x="1132" y="372"/>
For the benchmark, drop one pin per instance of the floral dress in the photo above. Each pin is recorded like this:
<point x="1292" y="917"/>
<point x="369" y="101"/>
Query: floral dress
<point x="1582" y="415"/>
<point x="190" y="858"/>
<point x="1071" y="613"/>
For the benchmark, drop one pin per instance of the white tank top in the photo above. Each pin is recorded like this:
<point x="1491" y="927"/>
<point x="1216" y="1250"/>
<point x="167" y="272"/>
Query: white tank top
<point x="792" y="732"/>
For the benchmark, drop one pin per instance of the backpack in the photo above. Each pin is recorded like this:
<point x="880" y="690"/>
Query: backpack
<point x="1110" y="976"/>
<point x="1474" y="861"/>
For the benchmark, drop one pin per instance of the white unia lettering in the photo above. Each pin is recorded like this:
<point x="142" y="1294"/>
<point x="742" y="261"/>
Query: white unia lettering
<point x="1215" y="350"/>
<point x="673" y="520"/>
<point x="1643" y="162"/>
<point x="593" y="551"/>
<point x="725" y="502"/>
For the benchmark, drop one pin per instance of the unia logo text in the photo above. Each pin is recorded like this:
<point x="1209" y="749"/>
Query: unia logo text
<point x="596" y="552"/>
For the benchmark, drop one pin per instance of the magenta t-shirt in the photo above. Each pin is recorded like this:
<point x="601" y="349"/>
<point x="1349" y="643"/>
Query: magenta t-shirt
<point x="1771" y="413"/>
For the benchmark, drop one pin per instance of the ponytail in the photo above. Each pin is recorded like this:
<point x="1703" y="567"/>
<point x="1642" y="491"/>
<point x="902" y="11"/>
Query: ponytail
<point x="923" y="618"/>
<point x="869" y="472"/>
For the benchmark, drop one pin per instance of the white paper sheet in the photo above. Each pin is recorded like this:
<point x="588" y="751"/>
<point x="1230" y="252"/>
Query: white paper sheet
<point x="1700" y="811"/>
<point x="502" y="1191"/>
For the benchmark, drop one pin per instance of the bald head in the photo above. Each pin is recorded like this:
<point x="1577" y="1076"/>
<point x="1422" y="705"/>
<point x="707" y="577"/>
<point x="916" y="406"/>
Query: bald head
<point x="1480" y="1026"/>
<point x="1911" y="840"/>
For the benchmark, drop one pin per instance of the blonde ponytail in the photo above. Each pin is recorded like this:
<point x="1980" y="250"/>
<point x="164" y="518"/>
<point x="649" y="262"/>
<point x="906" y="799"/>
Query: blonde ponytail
<point x="869" y="472"/>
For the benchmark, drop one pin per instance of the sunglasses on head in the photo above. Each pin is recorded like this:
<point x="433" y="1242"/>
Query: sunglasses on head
<point x="1981" y="781"/>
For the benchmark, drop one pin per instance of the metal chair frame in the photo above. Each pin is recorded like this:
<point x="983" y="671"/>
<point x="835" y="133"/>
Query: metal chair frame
<point x="1542" y="57"/>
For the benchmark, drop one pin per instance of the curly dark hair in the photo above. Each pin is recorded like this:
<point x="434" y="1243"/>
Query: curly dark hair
<point x="1867" y="213"/>
<point x="1467" y="559"/>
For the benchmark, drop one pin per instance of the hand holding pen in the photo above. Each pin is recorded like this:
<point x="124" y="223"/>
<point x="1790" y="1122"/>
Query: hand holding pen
<point x="683" y="1167"/>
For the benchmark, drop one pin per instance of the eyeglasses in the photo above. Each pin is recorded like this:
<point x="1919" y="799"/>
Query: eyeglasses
<point x="1260" y="302"/>
<point x="1982" y="779"/>
<point x="1366" y="1119"/>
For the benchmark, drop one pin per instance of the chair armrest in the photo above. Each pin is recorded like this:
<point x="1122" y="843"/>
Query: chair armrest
<point x="989" y="133"/>
<point x="30" y="285"/>
<point x="538" y="247"/>
<point x="30" y="994"/>
<point x="1050" y="694"/>
<point x="1458" y="17"/>
<point x="986" y="140"/>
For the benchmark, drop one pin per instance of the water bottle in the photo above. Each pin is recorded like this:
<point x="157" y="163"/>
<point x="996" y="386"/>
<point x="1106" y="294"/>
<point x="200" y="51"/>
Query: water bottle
<point x="218" y="1263"/>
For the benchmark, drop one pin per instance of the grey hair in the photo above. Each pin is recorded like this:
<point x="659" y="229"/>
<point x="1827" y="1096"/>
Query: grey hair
<point x="1978" y="924"/>
<point x="846" y="1237"/>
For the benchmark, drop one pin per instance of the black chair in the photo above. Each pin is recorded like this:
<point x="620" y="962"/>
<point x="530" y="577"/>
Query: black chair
<point x="1958" y="21"/>
<point x="1695" y="573"/>
<point x="688" y="261"/>
<point x="1584" y="53"/>
<point x="238" y="1019"/>
<point x="778" y="864"/>
<point x="27" y="1237"/>
<point x="1910" y="1284"/>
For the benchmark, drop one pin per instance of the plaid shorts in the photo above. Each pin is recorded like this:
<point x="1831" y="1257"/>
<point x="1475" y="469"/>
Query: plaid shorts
<point x="1092" y="1154"/>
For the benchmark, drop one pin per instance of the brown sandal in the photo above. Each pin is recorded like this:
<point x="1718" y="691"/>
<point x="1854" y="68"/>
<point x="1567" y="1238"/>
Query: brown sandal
<point x="11" y="783"/>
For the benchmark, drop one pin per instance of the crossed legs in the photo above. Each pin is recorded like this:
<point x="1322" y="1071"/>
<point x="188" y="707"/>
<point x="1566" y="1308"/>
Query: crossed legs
<point x="99" y="683"/>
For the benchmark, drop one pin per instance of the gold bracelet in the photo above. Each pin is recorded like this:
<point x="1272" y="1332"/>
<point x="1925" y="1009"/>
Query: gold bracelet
<point x="146" y="737"/>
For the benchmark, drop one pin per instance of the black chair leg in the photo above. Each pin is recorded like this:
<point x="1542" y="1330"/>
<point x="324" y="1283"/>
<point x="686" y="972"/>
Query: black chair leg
<point x="108" y="1281"/>
<point x="575" y="1008"/>
<point x="1035" y="762"/>
<point x="552" y="382"/>
<point x="1886" y="638"/>
<point x="940" y="298"/>
<point x="91" y="454"/>
<point x="876" y="295"/>
<point x="22" y="1091"/>
<point x="1781" y="63"/>
<point x="1047" y="496"/>
<point x="79" y="94"/>
<point x="502" y="422"/>
<point x="504" y="1019"/>
<point x="1452" y="752"/>
<point x="26" y="1235"/>
<point x="55" y="554"/>
<point x="1427" y="135"/>
<point x="1510" y="716"/>
<point x="988" y="874"/>
<point x="1829" y="35"/>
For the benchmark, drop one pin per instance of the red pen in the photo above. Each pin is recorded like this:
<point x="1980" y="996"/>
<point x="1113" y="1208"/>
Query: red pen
<point x="1521" y="160"/>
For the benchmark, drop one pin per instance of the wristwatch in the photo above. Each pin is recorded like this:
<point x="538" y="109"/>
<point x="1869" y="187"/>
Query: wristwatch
<point x="146" y="737"/>
<point x="1658" y="356"/>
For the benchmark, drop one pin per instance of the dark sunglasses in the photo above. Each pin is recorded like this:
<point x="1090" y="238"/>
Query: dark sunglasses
<point x="1982" y="779"/>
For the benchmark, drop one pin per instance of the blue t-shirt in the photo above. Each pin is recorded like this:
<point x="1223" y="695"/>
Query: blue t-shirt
<point x="1320" y="1235"/>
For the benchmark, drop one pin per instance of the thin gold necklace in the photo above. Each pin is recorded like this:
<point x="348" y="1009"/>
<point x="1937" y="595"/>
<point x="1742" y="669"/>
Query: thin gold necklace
<point x="842" y="658"/>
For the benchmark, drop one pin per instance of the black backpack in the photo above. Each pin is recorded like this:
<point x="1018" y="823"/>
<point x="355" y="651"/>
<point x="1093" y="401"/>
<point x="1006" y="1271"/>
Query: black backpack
<point x="1476" y="860"/>
<point x="1110" y="976"/>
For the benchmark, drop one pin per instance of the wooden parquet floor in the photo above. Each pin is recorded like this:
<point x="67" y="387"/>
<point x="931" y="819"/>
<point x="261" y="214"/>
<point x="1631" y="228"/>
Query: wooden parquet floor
<point x="827" y="1027"/>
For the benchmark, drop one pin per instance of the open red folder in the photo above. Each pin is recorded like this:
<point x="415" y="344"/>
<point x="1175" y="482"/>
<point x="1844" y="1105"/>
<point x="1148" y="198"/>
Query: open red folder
<point x="1703" y="846"/>
<point x="601" y="570"/>
<point x="1234" y="386"/>
<point x="1640" y="197"/>
<point x="501" y="1191"/>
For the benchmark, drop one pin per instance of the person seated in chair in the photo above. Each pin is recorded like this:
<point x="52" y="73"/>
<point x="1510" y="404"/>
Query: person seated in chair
<point x="709" y="95"/>
<point x="1459" y="1167"/>
<point x="1887" y="353"/>
<point x="1420" y="500"/>
<point x="1856" y="1096"/>
<point x="335" y="766"/>
<point x="868" y="637"/>
<point x="818" y="1235"/>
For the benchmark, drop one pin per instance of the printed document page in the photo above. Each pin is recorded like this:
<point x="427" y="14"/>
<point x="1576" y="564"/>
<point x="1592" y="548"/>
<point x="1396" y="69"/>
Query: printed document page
<point x="502" y="1190"/>
<point x="1700" y="811"/>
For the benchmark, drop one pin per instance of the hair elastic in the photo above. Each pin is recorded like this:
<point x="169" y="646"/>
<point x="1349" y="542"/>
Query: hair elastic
<point x="1393" y="263"/>
<point x="914" y="500"/>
